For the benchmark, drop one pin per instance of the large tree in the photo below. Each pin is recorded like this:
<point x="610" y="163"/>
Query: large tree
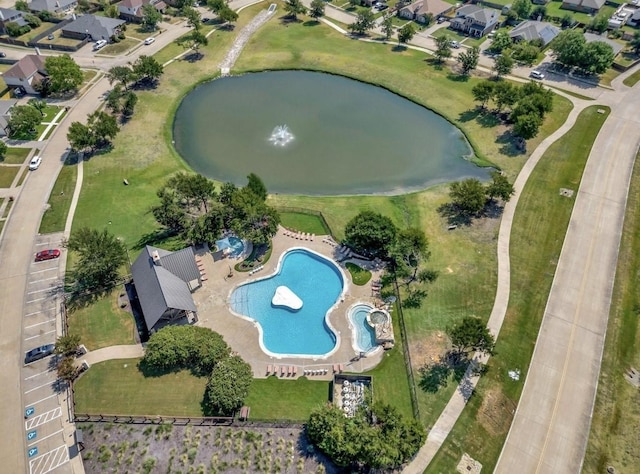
<point x="568" y="47"/>
<point x="294" y="8"/>
<point x="597" y="57"/>
<point x="194" y="19"/>
<point x="370" y="233"/>
<point x="147" y="69"/>
<point x="150" y="17"/>
<point x="483" y="92"/>
<point x="121" y="74"/>
<point x="80" y="137"/>
<point x="103" y="126"/>
<point x="228" y="386"/>
<point x="227" y="15"/>
<point x="193" y="41"/>
<point x="470" y="335"/>
<point x="255" y="184"/>
<point x="100" y="255"/>
<point x="23" y="122"/>
<point x="443" y="48"/>
<point x="387" y="27"/>
<point x="364" y="22"/>
<point x="500" y="42"/>
<point x="64" y="75"/>
<point x="503" y="65"/>
<point x="468" y="196"/>
<point x="317" y="9"/>
<point x="469" y="59"/>
<point x="522" y="8"/>
<point x="68" y="344"/>
<point x="406" y="33"/>
<point x="527" y="125"/>
<point x="500" y="187"/>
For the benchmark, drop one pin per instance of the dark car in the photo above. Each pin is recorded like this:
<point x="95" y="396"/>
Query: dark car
<point x="382" y="7"/>
<point x="3" y="54"/>
<point x="39" y="353"/>
<point x="47" y="254"/>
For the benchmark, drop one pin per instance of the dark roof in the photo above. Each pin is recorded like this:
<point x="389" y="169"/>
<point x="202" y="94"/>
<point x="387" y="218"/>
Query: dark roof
<point x="6" y="13"/>
<point x="26" y="67"/>
<point x="530" y="30"/>
<point x="164" y="286"/>
<point x="97" y="26"/>
<point x="50" y="5"/>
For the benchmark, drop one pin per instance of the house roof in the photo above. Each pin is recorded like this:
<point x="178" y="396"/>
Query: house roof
<point x="6" y="13"/>
<point x="163" y="285"/>
<point x="96" y="26"/>
<point x="422" y="7"/>
<point x="531" y="30"/>
<point x="591" y="37"/>
<point x="488" y="16"/>
<point x="50" y="5"/>
<point x="5" y="105"/>
<point x="27" y="67"/>
<point x="593" y="4"/>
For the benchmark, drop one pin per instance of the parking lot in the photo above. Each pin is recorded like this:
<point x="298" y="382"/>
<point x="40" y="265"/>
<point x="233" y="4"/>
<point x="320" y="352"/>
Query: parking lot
<point x="44" y="398"/>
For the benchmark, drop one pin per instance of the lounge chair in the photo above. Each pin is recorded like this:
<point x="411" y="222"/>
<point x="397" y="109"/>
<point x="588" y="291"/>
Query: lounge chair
<point x="341" y="368"/>
<point x="335" y="368"/>
<point x="268" y="369"/>
<point x="275" y="370"/>
<point x="311" y="236"/>
<point x="282" y="371"/>
<point x="295" y="371"/>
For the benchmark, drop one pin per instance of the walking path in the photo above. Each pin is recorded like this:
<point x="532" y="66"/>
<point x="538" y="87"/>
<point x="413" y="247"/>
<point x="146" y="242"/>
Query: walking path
<point x="132" y="351"/>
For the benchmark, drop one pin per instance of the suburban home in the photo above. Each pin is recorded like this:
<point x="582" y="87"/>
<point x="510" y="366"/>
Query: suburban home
<point x="52" y="6"/>
<point x="9" y="15"/>
<point x="26" y="73"/>
<point x="164" y="282"/>
<point x="417" y="10"/>
<point x="586" y="6"/>
<point x="5" y="107"/>
<point x="131" y="10"/>
<point x="531" y="30"/>
<point x="622" y="16"/>
<point x="474" y="20"/>
<point x="95" y="27"/>
<point x="617" y="47"/>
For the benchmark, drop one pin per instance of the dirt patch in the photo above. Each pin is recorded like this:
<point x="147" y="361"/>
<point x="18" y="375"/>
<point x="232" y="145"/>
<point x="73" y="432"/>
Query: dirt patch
<point x="428" y="349"/>
<point x="496" y="412"/>
<point x="198" y="449"/>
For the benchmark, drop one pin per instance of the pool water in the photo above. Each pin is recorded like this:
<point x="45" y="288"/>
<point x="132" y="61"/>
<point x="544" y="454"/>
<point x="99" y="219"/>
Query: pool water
<point x="317" y="282"/>
<point x="364" y="335"/>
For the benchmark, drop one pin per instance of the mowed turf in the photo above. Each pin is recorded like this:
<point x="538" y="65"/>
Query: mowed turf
<point x="55" y="217"/>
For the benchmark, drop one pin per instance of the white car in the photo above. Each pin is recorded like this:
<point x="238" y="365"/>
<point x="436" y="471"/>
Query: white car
<point x="454" y="44"/>
<point x="34" y="164"/>
<point x="149" y="40"/>
<point x="536" y="75"/>
<point x="99" y="45"/>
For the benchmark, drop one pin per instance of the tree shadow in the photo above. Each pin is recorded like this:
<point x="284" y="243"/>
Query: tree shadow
<point x="311" y="23"/>
<point x="469" y="115"/>
<point x="193" y="57"/>
<point x="434" y="376"/>
<point x="287" y="19"/>
<point x="145" y="84"/>
<point x="399" y="48"/>
<point x="154" y="238"/>
<point x="453" y="215"/>
<point x="510" y="144"/>
<point x="458" y="77"/>
<point x="150" y="371"/>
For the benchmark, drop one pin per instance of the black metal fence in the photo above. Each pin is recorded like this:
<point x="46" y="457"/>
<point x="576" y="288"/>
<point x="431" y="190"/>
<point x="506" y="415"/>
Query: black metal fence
<point x="154" y="420"/>
<point x="312" y="212"/>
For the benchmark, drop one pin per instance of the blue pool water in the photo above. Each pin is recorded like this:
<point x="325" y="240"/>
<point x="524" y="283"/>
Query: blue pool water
<point x="317" y="282"/>
<point x="365" y="336"/>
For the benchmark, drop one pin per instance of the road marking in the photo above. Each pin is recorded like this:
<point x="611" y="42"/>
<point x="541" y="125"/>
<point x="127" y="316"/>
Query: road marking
<point x="41" y="291"/>
<point x="40" y="335"/>
<point x="45" y="270"/>
<point x="39" y="386"/>
<point x="44" y="279"/>
<point x="42" y="419"/>
<point x="37" y="299"/>
<point x="40" y="324"/>
<point x="43" y="399"/>
<point x="41" y="311"/>
<point x="49" y="461"/>
<point x="48" y="436"/>
<point x="36" y="375"/>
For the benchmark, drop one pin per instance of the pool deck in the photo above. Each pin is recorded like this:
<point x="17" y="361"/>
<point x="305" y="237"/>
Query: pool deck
<point x="242" y="335"/>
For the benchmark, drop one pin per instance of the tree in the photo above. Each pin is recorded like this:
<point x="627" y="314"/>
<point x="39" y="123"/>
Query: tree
<point x="500" y="42"/>
<point x="256" y="185"/>
<point x="22" y="5"/>
<point x="566" y="21"/>
<point x="504" y="94"/>
<point x="150" y="17"/>
<point x="216" y="5"/>
<point x="597" y="57"/>
<point x="68" y="344"/>
<point x="100" y="255"/>
<point x="294" y="8"/>
<point x="32" y="20"/>
<point x="568" y="47"/>
<point x="468" y="196"/>
<point x="409" y="250"/>
<point x="64" y="74"/>
<point x="500" y="187"/>
<point x="539" y="12"/>
<point x="525" y="52"/>
<point x="469" y="59"/>
<point x="252" y="218"/>
<point x="113" y="99"/>
<point x="38" y="104"/>
<point x="600" y="23"/>
<point x="227" y="15"/>
<point x="66" y="369"/>
<point x="370" y="233"/>
<point x="3" y="150"/>
<point x="103" y="127"/>
<point x="522" y="8"/>
<point x="527" y="125"/>
<point x="406" y="33"/>
<point x="443" y="48"/>
<point x="317" y="9"/>
<point x="23" y="122"/>
<point x="147" y="69"/>
<point x="354" y="3"/>
<point x="80" y="137"/>
<point x="483" y="92"/>
<point x="193" y="40"/>
<point x="194" y="19"/>
<point x="364" y="22"/>
<point x="112" y="11"/>
<point x="387" y="27"/>
<point x="122" y="74"/>
<point x="635" y="42"/>
<point x="130" y="101"/>
<point x="228" y="386"/>
<point x="503" y="65"/>
<point x="14" y="30"/>
<point x="471" y="335"/>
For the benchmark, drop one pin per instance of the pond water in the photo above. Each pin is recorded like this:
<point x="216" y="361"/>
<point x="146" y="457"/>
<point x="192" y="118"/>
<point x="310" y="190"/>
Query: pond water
<point x="317" y="134"/>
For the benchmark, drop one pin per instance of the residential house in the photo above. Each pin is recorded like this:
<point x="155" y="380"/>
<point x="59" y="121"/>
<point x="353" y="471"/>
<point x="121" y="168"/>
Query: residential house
<point x="418" y="10"/>
<point x="617" y="47"/>
<point x="622" y="16"/>
<point x="635" y="18"/>
<point x="586" y="6"/>
<point x="5" y="107"/>
<point x="474" y="20"/>
<point x="131" y="10"/>
<point x="9" y="15"/>
<point x="52" y="6"/>
<point x="95" y="27"/>
<point x="164" y="282"/>
<point x="531" y="30"/>
<point x="26" y="73"/>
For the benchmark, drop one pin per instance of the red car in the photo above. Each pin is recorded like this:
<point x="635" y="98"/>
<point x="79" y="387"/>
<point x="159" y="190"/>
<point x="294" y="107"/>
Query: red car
<point x="47" y="255"/>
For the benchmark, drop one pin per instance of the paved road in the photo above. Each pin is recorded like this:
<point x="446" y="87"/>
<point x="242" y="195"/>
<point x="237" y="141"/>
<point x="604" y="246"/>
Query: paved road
<point x="551" y="427"/>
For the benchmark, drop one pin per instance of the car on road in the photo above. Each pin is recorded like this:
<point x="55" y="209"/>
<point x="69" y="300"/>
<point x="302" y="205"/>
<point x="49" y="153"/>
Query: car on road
<point x="382" y="7"/>
<point x="47" y="254"/>
<point x="3" y="54"/>
<point x="535" y="74"/>
<point x="39" y="353"/>
<point x="149" y="40"/>
<point x="441" y="19"/>
<point x="454" y="44"/>
<point x="51" y="37"/>
<point x="99" y="45"/>
<point x="34" y="164"/>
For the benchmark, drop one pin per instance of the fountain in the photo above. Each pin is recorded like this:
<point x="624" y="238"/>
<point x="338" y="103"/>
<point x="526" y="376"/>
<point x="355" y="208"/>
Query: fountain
<point x="281" y="135"/>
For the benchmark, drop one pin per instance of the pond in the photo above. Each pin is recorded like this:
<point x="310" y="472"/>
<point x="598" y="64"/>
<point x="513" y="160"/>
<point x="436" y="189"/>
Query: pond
<point x="317" y="134"/>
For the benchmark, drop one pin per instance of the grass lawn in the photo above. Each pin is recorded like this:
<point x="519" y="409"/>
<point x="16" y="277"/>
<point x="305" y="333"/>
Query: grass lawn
<point x="35" y="31"/>
<point x="139" y="32"/>
<point x="55" y="216"/>
<point x="123" y="46"/>
<point x="632" y="79"/>
<point x="103" y="323"/>
<point x="50" y="112"/>
<point x="64" y="41"/>
<point x="538" y="233"/>
<point x="608" y="76"/>
<point x="554" y="9"/>
<point x="455" y="35"/>
<point x="303" y="222"/>
<point x="15" y="156"/>
<point x="276" y="399"/>
<point x="7" y="175"/>
<point x="615" y="426"/>
<point x="359" y="275"/>
<point x="117" y="387"/>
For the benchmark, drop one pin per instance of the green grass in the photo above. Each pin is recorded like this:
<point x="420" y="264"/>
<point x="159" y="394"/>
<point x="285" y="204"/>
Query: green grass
<point x="55" y="216"/>
<point x="121" y="47"/>
<point x="615" y="426"/>
<point x="538" y="232"/>
<point x="117" y="387"/>
<point x="632" y="80"/>
<point x="302" y="222"/>
<point x="7" y="175"/>
<point x="103" y="323"/>
<point x="23" y="176"/>
<point x="455" y="35"/>
<point x="554" y="9"/>
<point x="15" y="156"/>
<point x="359" y="275"/>
<point x="280" y="399"/>
<point x="35" y="31"/>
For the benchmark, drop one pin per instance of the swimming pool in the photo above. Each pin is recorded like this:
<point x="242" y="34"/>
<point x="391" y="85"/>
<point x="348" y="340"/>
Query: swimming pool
<point x="288" y="331"/>
<point x="364" y="336"/>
